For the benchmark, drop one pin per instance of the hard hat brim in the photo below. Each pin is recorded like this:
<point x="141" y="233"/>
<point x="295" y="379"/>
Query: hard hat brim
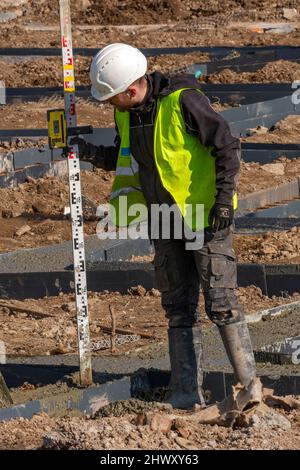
<point x="100" y="96"/>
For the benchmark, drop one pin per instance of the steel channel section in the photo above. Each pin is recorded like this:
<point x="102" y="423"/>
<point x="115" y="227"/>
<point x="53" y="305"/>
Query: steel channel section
<point x="272" y="52"/>
<point x="248" y="225"/>
<point x="217" y="385"/>
<point x="257" y="152"/>
<point x="241" y="93"/>
<point x="120" y="276"/>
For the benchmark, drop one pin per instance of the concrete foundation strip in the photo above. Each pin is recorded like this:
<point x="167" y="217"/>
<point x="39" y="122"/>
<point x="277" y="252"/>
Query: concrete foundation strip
<point x="14" y="178"/>
<point x="16" y="166"/>
<point x="272" y="312"/>
<point x="265" y="113"/>
<point x="267" y="153"/>
<point x="269" y="197"/>
<point x="217" y="385"/>
<point x="19" y="159"/>
<point x="241" y="119"/>
<point x="286" y="351"/>
<point x="279" y="280"/>
<point x="247" y="225"/>
<point x="74" y="403"/>
<point x="282" y="210"/>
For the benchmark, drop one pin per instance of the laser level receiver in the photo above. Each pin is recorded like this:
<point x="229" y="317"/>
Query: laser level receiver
<point x="58" y="132"/>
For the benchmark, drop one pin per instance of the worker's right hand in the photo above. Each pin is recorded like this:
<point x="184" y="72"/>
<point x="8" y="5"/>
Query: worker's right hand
<point x="220" y="216"/>
<point x="83" y="148"/>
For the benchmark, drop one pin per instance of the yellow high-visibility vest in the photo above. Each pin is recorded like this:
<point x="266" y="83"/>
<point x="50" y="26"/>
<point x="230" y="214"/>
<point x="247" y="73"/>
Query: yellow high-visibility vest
<point x="185" y="166"/>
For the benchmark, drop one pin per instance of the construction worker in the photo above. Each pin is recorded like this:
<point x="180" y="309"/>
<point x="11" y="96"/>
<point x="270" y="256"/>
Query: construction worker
<point x="172" y="147"/>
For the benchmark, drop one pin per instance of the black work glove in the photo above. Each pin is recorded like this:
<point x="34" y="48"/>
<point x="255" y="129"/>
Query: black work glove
<point x="83" y="146"/>
<point x="87" y="151"/>
<point x="220" y="216"/>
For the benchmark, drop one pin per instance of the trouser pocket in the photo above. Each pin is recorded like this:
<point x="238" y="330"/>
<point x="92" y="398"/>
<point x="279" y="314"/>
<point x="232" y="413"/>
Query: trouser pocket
<point x="223" y="273"/>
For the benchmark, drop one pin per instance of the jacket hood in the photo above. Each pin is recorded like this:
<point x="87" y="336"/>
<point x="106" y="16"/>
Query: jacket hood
<point x="163" y="85"/>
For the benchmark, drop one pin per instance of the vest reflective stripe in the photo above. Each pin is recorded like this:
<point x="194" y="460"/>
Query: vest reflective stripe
<point x="124" y="171"/>
<point x="123" y="191"/>
<point x="130" y="168"/>
<point x="127" y="180"/>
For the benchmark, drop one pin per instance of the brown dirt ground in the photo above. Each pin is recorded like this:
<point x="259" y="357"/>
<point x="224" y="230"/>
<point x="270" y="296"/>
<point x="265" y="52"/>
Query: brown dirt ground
<point x="15" y="36"/>
<point x="126" y="432"/>
<point x="274" y="72"/>
<point x="272" y="247"/>
<point x="254" y="177"/>
<point x="56" y="334"/>
<point x="19" y="144"/>
<point x="40" y="205"/>
<point x="286" y="131"/>
<point x="150" y="11"/>
<point x="48" y="72"/>
<point x="30" y="115"/>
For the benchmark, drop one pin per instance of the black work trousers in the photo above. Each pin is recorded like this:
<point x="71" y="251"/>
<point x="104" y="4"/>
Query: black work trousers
<point x="180" y="273"/>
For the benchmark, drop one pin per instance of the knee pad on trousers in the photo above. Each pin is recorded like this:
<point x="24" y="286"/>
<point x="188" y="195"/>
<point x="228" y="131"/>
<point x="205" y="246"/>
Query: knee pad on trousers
<point x="226" y="318"/>
<point x="222" y="306"/>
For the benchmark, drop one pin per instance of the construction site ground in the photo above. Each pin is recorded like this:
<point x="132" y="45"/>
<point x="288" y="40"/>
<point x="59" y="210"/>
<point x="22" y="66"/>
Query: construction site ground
<point x="32" y="215"/>
<point x="125" y="432"/>
<point x="57" y="335"/>
<point x="31" y="334"/>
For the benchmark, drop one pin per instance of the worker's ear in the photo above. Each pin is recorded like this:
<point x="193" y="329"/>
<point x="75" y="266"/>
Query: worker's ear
<point x="131" y="92"/>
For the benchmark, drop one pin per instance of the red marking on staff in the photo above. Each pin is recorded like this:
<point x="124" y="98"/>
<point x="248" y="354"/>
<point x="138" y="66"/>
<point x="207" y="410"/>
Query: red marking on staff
<point x="64" y="41"/>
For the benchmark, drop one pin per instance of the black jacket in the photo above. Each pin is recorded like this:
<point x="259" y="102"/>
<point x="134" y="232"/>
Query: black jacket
<point x="200" y="120"/>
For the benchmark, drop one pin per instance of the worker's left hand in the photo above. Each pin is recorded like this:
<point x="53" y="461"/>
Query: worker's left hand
<point x="220" y="216"/>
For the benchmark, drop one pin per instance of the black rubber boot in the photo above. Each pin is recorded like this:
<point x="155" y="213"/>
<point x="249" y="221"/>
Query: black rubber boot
<point x="237" y="343"/>
<point x="185" y="351"/>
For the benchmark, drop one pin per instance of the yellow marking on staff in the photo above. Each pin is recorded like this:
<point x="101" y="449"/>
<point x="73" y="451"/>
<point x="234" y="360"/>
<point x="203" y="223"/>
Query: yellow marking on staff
<point x="69" y="89"/>
<point x="68" y="67"/>
<point x="69" y="78"/>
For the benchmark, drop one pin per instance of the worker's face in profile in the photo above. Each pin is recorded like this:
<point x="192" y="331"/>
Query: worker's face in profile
<point x="125" y="100"/>
<point x="122" y="101"/>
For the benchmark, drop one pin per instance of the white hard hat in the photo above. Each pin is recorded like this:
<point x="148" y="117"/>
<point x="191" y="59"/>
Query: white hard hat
<point x="114" y="68"/>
